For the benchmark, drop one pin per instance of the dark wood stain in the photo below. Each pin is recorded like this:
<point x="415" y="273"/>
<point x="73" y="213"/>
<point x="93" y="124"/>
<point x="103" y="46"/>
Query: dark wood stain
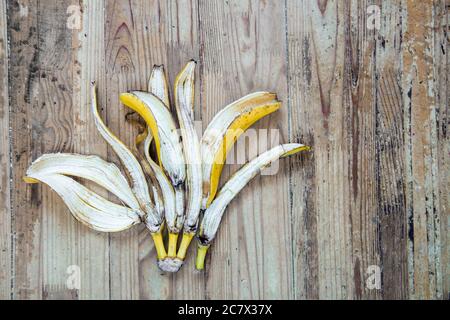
<point x="322" y="4"/>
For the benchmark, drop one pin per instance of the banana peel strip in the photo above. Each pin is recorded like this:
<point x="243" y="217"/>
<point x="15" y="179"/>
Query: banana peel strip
<point x="173" y="195"/>
<point x="223" y="131"/>
<point x="92" y="168"/>
<point x="184" y="102"/>
<point x="167" y="191"/>
<point x="88" y="207"/>
<point x="173" y="199"/>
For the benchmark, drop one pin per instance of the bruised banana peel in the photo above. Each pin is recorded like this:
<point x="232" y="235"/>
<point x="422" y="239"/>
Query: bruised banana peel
<point x="213" y="215"/>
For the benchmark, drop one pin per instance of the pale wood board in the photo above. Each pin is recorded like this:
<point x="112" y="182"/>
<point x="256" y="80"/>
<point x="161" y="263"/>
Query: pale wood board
<point x="372" y="102"/>
<point x="5" y="204"/>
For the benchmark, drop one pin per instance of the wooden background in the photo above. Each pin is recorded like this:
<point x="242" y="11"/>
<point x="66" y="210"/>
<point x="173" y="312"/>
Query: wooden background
<point x="373" y="103"/>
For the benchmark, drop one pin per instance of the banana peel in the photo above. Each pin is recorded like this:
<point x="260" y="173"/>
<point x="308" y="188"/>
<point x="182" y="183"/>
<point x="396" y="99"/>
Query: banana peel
<point x="171" y="190"/>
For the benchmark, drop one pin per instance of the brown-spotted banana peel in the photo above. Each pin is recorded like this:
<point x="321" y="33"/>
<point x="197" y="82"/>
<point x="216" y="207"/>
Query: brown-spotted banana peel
<point x="90" y="208"/>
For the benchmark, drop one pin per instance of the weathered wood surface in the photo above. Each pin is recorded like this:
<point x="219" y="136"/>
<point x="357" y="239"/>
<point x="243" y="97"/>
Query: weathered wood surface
<point x="372" y="101"/>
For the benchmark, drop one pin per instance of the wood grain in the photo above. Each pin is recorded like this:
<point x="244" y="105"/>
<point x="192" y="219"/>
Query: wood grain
<point x="372" y="101"/>
<point x="423" y="196"/>
<point x="319" y="58"/>
<point x="5" y="202"/>
<point x="53" y="126"/>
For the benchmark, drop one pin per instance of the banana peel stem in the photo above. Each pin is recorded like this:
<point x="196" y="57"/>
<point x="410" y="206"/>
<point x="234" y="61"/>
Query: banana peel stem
<point x="185" y="241"/>
<point x="201" y="254"/>
<point x="172" y="250"/>
<point x="159" y="245"/>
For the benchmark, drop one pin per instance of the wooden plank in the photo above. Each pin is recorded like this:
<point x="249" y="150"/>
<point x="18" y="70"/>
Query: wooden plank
<point x="302" y="81"/>
<point x="360" y="84"/>
<point x="5" y="200"/>
<point x="422" y="162"/>
<point x="48" y="239"/>
<point x="70" y="250"/>
<point x="320" y="55"/>
<point x="243" y="50"/>
<point x="53" y="128"/>
<point x="152" y="27"/>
